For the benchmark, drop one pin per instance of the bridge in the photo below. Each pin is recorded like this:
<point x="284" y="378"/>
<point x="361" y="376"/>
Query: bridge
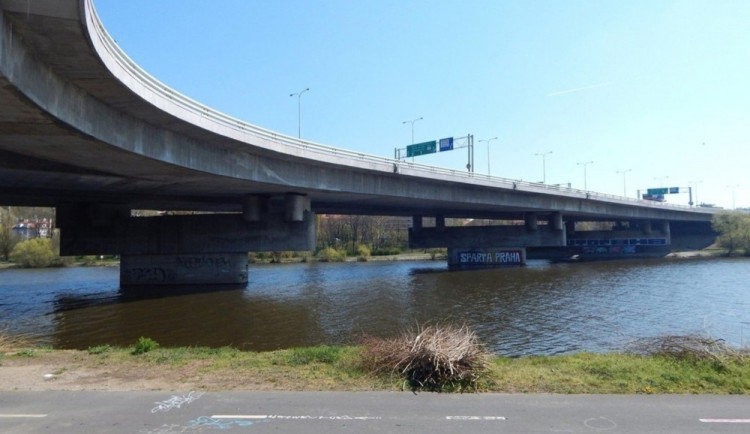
<point x="87" y="131"/>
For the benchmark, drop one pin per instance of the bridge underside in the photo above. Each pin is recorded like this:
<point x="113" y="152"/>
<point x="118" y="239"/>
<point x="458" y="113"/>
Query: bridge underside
<point x="200" y="249"/>
<point x="559" y="239"/>
<point x="84" y="129"/>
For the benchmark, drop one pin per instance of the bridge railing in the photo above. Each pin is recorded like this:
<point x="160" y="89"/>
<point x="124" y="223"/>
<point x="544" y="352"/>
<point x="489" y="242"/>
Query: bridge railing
<point x="176" y="103"/>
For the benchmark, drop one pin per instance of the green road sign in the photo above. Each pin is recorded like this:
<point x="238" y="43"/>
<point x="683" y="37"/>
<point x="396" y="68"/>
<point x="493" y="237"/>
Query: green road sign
<point x="421" y="148"/>
<point x="658" y="191"/>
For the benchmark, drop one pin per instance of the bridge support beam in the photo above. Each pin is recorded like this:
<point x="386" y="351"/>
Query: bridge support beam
<point x="636" y="239"/>
<point x="484" y="237"/>
<point x="200" y="249"/>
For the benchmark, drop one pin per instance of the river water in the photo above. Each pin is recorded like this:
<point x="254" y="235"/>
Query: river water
<point x="541" y="309"/>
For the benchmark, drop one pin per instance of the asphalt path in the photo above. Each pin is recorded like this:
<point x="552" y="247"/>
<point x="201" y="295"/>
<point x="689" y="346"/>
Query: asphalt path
<point x="367" y="412"/>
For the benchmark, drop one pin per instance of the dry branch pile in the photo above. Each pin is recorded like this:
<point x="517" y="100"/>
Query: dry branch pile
<point x="431" y="357"/>
<point x="688" y="347"/>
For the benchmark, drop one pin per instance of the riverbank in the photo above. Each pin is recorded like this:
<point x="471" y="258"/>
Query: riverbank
<point x="339" y="369"/>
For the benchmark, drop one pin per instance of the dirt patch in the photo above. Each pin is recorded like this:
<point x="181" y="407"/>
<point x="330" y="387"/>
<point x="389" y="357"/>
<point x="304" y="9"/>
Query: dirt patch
<point x="77" y="370"/>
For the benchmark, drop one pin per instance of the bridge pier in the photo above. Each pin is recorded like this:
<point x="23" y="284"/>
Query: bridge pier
<point x="200" y="249"/>
<point x="632" y="239"/>
<point x="487" y="246"/>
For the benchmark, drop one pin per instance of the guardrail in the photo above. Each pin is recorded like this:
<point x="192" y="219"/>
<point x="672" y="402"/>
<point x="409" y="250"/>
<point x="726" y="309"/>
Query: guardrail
<point x="387" y="165"/>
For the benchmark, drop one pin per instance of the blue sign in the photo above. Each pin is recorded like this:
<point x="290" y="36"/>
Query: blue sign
<point x="674" y="190"/>
<point x="446" y="144"/>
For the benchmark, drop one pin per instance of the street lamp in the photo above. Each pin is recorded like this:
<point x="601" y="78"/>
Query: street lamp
<point x="624" y="183"/>
<point x="488" y="153"/>
<point x="585" y="184"/>
<point x="412" y="127"/>
<point x="734" y="188"/>
<point x="299" y="110"/>
<point x="694" y="191"/>
<point x="544" y="164"/>
<point x="661" y="180"/>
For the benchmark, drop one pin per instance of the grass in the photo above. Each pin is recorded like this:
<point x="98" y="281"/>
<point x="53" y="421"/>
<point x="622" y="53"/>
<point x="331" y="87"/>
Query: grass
<point x="340" y="368"/>
<point x="617" y="373"/>
<point x="671" y="364"/>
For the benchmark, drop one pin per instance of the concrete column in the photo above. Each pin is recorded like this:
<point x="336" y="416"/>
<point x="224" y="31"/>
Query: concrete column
<point x="531" y="221"/>
<point x="665" y="228"/>
<point x="646" y="227"/>
<point x="254" y="208"/>
<point x="183" y="269"/>
<point x="556" y="221"/>
<point x="570" y="227"/>
<point x="295" y="207"/>
<point x="416" y="223"/>
<point x="440" y="223"/>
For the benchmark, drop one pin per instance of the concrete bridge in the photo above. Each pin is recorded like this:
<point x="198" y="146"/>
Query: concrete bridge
<point x="86" y="130"/>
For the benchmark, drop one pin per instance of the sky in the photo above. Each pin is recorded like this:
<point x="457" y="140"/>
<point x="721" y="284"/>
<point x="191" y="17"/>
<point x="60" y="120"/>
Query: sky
<point x="617" y="96"/>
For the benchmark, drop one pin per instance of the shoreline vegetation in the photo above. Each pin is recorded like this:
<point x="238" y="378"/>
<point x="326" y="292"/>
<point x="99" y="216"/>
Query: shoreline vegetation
<point x="666" y="365"/>
<point x="304" y="257"/>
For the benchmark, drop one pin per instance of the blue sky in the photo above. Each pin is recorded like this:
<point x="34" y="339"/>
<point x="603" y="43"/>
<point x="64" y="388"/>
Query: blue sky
<point x="657" y="89"/>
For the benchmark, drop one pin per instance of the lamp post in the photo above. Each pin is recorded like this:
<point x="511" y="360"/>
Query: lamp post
<point x="694" y="191"/>
<point x="299" y="110"/>
<point x="412" y="127"/>
<point x="624" y="182"/>
<point x="661" y="180"/>
<point x="488" y="152"/>
<point x="734" y="188"/>
<point x="585" y="184"/>
<point x="544" y="164"/>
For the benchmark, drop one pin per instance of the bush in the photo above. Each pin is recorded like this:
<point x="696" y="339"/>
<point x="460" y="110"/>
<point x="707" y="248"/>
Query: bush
<point x="363" y="253"/>
<point x="433" y="357"/>
<point x="386" y="251"/>
<point x="329" y="254"/>
<point x="144" y="345"/>
<point x="34" y="253"/>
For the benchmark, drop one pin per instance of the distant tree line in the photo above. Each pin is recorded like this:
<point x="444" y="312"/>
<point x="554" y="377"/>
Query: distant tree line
<point x="381" y="235"/>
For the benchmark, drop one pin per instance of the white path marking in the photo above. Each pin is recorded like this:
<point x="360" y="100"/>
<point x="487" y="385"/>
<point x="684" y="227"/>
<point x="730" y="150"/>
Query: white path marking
<point x="725" y="420"/>
<point x="288" y="417"/>
<point x="491" y="418"/>
<point x="8" y="416"/>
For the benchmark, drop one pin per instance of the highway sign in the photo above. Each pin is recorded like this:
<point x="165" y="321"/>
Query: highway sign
<point x="421" y="148"/>
<point x="657" y="191"/>
<point x="674" y="190"/>
<point x="446" y="144"/>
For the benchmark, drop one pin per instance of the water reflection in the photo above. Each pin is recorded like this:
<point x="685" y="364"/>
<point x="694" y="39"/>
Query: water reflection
<point x="539" y="309"/>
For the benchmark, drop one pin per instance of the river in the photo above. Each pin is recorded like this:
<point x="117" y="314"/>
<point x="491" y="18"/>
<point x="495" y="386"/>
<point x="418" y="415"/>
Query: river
<point x="539" y="309"/>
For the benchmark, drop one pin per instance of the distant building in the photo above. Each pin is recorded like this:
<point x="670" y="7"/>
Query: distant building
<point x="33" y="228"/>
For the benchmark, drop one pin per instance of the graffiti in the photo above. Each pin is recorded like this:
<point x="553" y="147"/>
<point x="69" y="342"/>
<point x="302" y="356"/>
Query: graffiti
<point x="600" y="423"/>
<point x="171" y="429"/>
<point x="148" y="274"/>
<point x="218" y="423"/>
<point x="176" y="401"/>
<point x="204" y="261"/>
<point x="488" y="257"/>
<point x="604" y="250"/>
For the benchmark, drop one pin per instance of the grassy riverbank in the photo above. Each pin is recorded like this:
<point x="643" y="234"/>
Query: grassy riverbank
<point x="341" y="368"/>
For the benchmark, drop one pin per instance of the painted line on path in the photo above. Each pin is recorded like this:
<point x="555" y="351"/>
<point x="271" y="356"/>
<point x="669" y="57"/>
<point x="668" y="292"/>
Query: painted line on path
<point x="309" y="417"/>
<point x="289" y="417"/>
<point x="725" y="420"/>
<point x="20" y="416"/>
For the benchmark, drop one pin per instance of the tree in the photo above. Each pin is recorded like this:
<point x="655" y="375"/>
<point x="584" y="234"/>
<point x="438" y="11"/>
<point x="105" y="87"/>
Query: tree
<point x="734" y="231"/>
<point x="8" y="240"/>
